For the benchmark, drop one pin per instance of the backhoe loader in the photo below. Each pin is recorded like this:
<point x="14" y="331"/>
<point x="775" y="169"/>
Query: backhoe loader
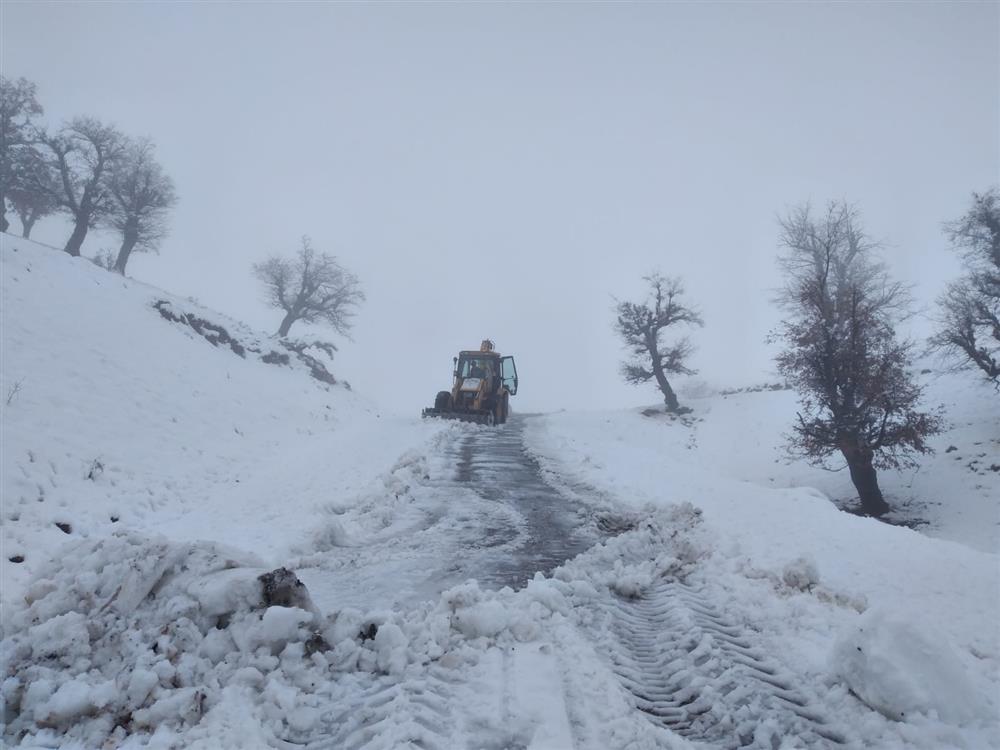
<point x="484" y="381"/>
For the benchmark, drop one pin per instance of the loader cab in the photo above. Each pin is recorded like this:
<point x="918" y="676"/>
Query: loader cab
<point x="491" y="368"/>
<point x="472" y="366"/>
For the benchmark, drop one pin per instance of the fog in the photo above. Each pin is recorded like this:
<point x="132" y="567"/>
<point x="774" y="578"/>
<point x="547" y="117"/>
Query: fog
<point x="505" y="171"/>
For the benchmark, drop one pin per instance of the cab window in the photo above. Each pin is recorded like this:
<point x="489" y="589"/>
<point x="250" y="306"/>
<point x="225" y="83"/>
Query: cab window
<point x="475" y="368"/>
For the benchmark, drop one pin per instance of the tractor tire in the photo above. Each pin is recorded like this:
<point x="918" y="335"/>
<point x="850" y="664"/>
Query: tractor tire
<point x="442" y="402"/>
<point x="489" y="420"/>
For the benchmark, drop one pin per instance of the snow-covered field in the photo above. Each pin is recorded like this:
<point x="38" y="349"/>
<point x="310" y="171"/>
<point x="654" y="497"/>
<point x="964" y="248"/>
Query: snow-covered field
<point x="151" y="478"/>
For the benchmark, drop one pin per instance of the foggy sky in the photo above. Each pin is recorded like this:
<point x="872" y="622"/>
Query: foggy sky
<point x="503" y="171"/>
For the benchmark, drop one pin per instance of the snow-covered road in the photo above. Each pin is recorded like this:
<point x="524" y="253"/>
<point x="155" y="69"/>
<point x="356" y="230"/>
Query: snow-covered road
<point x="538" y="527"/>
<point x="683" y="666"/>
<point x="476" y="505"/>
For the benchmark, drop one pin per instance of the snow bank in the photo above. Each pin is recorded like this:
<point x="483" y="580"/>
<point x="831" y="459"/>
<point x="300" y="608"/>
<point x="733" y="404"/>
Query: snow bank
<point x="902" y="668"/>
<point x="824" y="565"/>
<point x="131" y="641"/>
<point x="127" y="632"/>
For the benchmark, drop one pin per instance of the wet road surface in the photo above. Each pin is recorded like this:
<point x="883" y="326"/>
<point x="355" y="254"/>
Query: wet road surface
<point x="550" y="529"/>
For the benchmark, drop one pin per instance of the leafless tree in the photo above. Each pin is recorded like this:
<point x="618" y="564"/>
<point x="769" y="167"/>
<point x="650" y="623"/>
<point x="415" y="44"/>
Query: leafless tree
<point x="83" y="154"/>
<point x="640" y="325"/>
<point x="141" y="197"/>
<point x="857" y="396"/>
<point x="312" y="287"/>
<point x="18" y="109"/>
<point x="969" y="321"/>
<point x="32" y="190"/>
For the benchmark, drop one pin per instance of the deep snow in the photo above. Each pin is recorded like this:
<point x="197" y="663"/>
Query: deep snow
<point x="181" y="472"/>
<point x="929" y="608"/>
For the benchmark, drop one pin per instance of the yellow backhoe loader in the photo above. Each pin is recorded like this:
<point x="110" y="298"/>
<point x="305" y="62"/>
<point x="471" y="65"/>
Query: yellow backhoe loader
<point x="484" y="383"/>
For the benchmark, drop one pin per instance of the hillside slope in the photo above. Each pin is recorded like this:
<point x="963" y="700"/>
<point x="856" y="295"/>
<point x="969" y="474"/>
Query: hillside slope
<point x="953" y="493"/>
<point x="116" y="417"/>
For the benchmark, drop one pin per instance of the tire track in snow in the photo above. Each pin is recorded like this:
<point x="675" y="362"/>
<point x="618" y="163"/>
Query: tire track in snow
<point x="692" y="672"/>
<point x="393" y="713"/>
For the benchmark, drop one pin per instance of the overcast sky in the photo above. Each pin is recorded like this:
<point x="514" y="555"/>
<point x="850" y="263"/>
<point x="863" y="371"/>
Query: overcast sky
<point x="505" y="170"/>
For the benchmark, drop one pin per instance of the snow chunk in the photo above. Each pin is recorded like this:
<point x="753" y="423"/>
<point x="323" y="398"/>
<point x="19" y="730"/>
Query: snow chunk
<point x="226" y="591"/>
<point x="487" y="619"/>
<point x="899" y="668"/>
<point x="281" y="624"/>
<point x="391" y="647"/>
<point x="73" y="699"/>
<point x="801" y="574"/>
<point x="64" y="637"/>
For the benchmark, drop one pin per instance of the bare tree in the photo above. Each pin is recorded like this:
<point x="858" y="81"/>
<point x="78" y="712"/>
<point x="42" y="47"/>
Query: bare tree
<point x="18" y="109"/>
<point x="141" y="197"/>
<point x="969" y="322"/>
<point x="32" y="189"/>
<point x="82" y="155"/>
<point x="640" y="324"/>
<point x="857" y="396"/>
<point x="313" y="287"/>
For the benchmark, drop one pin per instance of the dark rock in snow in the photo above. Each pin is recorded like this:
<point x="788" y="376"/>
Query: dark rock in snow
<point x="282" y="588"/>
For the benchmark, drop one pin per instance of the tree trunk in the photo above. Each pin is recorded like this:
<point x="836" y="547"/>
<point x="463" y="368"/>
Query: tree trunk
<point x="76" y="239"/>
<point x="128" y="243"/>
<point x="290" y="318"/>
<point x="669" y="397"/>
<point x="3" y="216"/>
<point x="859" y="461"/>
<point x="27" y="222"/>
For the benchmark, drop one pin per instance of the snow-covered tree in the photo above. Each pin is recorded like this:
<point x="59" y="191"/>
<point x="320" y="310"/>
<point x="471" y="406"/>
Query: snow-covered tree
<point x="141" y="197"/>
<point x="969" y="321"/>
<point x="640" y="325"/>
<point x="32" y="189"/>
<point x="857" y="396"/>
<point x="18" y="109"/>
<point x="83" y="154"/>
<point x="312" y="287"/>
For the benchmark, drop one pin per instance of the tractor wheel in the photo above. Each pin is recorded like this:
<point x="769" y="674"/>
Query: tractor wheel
<point x="442" y="402"/>
<point x="489" y="420"/>
<point x="503" y="409"/>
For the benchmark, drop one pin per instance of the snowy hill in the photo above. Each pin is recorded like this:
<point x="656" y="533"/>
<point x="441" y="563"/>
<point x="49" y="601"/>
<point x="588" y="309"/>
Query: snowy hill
<point x="161" y="461"/>
<point x="121" y="418"/>
<point x="768" y="525"/>
<point x="953" y="494"/>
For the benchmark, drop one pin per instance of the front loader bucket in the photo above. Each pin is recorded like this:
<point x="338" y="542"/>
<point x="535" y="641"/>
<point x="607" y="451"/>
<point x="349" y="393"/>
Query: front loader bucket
<point x="461" y="416"/>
